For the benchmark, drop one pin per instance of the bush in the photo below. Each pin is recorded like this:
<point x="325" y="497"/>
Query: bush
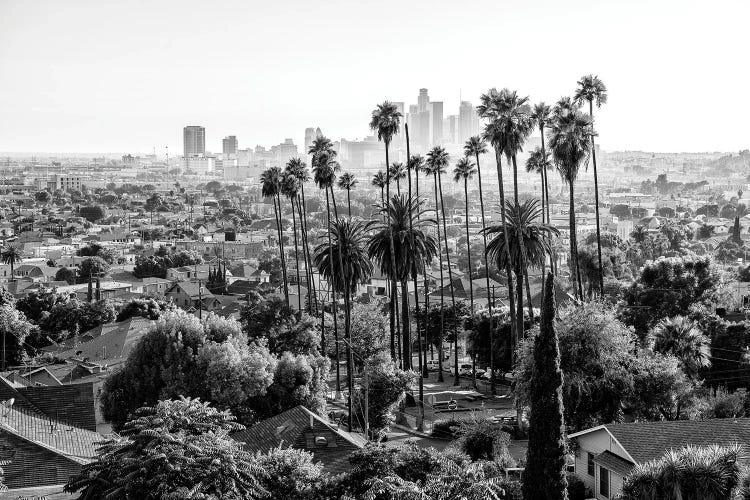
<point x="444" y="429"/>
<point x="576" y="488"/>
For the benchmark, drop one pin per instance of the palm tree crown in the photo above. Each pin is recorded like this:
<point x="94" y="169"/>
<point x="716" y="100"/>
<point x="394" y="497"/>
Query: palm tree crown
<point x="475" y="146"/>
<point x="510" y="117"/>
<point x="10" y="254"/>
<point x="591" y="89"/>
<point x="325" y="168"/>
<point x="437" y="161"/>
<point x="348" y="248"/>
<point x="681" y="337"/>
<point x="347" y="181"/>
<point x="397" y="171"/>
<point x="386" y="120"/>
<point x="379" y="180"/>
<point x="411" y="243"/>
<point x="298" y="169"/>
<point x="270" y="181"/>
<point x="289" y="185"/>
<point x="541" y="114"/>
<point x="416" y="163"/>
<point x="464" y="170"/>
<point x="538" y="161"/>
<point x="522" y="222"/>
<point x="570" y="142"/>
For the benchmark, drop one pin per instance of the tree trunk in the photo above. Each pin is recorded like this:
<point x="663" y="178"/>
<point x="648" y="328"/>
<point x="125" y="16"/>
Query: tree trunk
<point x="349" y="201"/>
<point x="277" y="209"/>
<point x="528" y="294"/>
<point x="406" y="341"/>
<point x="456" y="380"/>
<point x="349" y="355"/>
<point x="468" y="244"/>
<point x="307" y="247"/>
<point x="574" y="269"/>
<point x="296" y="255"/>
<point x="508" y="271"/>
<point x="311" y="296"/>
<point x="522" y="253"/>
<point x="493" y="389"/>
<point x="596" y="203"/>
<point x="390" y="240"/>
<point x="332" y="289"/>
<point x="442" y="284"/>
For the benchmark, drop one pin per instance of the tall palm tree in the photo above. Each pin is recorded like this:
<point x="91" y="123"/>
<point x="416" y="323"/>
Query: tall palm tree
<point x="523" y="222"/>
<point x="385" y="120"/>
<point x="416" y="164"/>
<point x="476" y="146"/>
<point x="298" y="169"/>
<point x="398" y="171"/>
<point x="324" y="169"/>
<point x="379" y="180"/>
<point x="290" y="188"/>
<point x="348" y="181"/>
<point x="347" y="244"/>
<point x="539" y="162"/>
<point x="541" y="116"/>
<point x="490" y="108"/>
<point x="591" y="89"/>
<point x="462" y="172"/>
<point x="413" y="247"/>
<point x="436" y="163"/>
<point x="270" y="181"/>
<point x="571" y="147"/>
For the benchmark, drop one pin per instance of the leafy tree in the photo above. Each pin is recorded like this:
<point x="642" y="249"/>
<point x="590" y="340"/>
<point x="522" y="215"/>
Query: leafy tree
<point x="282" y="328"/>
<point x="387" y="386"/>
<point x="150" y="267"/>
<point x="176" y="449"/>
<point x="369" y="327"/>
<point x="42" y="196"/>
<point x="483" y="439"/>
<point x="75" y="315"/>
<point x="289" y="473"/>
<point x="91" y="213"/>
<point x="669" y="286"/>
<point x="66" y="274"/>
<point x="706" y="231"/>
<point x="96" y="250"/>
<point x="545" y="478"/>
<point x="93" y="267"/>
<point x="14" y="329"/>
<point x="620" y="210"/>
<point x="744" y="274"/>
<point x="146" y="307"/>
<point x="661" y="390"/>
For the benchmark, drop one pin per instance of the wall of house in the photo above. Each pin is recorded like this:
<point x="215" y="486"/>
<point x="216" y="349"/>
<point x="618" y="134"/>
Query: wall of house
<point x="595" y="443"/>
<point x="32" y="465"/>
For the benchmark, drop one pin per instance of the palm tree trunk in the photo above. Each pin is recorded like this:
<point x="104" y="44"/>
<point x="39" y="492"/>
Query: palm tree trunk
<point x="456" y="380"/>
<point x="442" y="284"/>
<point x="596" y="202"/>
<point x="349" y="201"/>
<point x="528" y="295"/>
<point x="493" y="388"/>
<point x="296" y="255"/>
<point x="349" y="355"/>
<point x="545" y="185"/>
<point x="406" y="342"/>
<point x="332" y="288"/>
<point x="574" y="269"/>
<point x="522" y="253"/>
<point x="277" y="210"/>
<point x="468" y="244"/>
<point x="308" y="261"/>
<point x="508" y="271"/>
<point x="392" y="250"/>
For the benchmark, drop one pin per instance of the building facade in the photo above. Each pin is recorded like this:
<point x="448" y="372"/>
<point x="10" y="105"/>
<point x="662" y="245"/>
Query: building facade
<point x="193" y="141"/>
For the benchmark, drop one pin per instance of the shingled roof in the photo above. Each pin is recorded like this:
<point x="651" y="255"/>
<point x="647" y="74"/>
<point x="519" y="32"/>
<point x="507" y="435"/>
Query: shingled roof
<point x="645" y="441"/>
<point x="304" y="430"/>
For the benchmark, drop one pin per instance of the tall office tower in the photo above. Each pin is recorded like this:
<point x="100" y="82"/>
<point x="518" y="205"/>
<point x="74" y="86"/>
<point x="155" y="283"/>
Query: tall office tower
<point x="229" y="145"/>
<point x="436" y="109"/>
<point x="423" y="137"/>
<point x="451" y="130"/>
<point x="467" y="121"/>
<point x="412" y="118"/>
<point x="193" y="141"/>
<point x="423" y="100"/>
<point x="309" y="138"/>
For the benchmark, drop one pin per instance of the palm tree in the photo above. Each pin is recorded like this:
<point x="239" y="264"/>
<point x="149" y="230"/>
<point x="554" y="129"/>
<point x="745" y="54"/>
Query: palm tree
<point x="270" y="181"/>
<point x="490" y="108"/>
<point x="290" y="188"/>
<point x="324" y="169"/>
<point x="347" y="245"/>
<point x="398" y="171"/>
<point x="298" y="169"/>
<point x="416" y="164"/>
<point x="348" y="181"/>
<point x="413" y="247"/>
<point x="379" y="180"/>
<point x="541" y="116"/>
<point x="10" y="255"/>
<point x="591" y="89"/>
<point x="385" y="120"/>
<point x="539" y="162"/>
<point x="681" y="337"/>
<point x="476" y="146"/>
<point x="463" y="171"/>
<point x="523" y="223"/>
<point x="571" y="147"/>
<point x="437" y="161"/>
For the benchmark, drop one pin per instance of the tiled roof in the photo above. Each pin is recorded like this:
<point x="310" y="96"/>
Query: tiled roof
<point x="646" y="441"/>
<point x="613" y="462"/>
<point x="106" y="342"/>
<point x="293" y="428"/>
<point x="190" y="288"/>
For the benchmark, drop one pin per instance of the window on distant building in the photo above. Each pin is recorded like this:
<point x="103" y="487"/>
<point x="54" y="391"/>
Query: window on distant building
<point x="590" y="464"/>
<point x="604" y="482"/>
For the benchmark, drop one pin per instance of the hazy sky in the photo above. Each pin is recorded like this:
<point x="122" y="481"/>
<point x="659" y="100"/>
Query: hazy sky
<point x="109" y="76"/>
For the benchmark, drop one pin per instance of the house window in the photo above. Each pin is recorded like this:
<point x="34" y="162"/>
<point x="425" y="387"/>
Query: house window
<point x="590" y="464"/>
<point x="604" y="482"/>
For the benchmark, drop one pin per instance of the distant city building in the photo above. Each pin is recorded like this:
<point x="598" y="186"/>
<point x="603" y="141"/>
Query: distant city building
<point x="200" y="165"/>
<point x="193" y="141"/>
<point x="451" y="129"/>
<point x="362" y="154"/>
<point x="284" y="152"/>
<point x="310" y="135"/>
<point x="436" y="123"/>
<point x="423" y="100"/>
<point x="229" y="145"/>
<point x="468" y="122"/>
<point x="66" y="182"/>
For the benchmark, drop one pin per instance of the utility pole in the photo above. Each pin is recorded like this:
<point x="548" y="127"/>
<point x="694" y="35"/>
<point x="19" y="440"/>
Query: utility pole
<point x="200" y="301"/>
<point x="367" y="404"/>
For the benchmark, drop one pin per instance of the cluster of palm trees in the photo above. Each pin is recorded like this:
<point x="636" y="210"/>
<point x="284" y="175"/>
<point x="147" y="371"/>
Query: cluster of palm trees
<point x="399" y="241"/>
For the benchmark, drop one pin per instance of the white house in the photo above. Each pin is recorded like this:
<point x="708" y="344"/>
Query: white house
<point x="606" y="454"/>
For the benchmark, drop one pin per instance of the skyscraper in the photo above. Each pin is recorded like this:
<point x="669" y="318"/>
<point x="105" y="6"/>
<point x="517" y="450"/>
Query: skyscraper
<point x="229" y="145"/>
<point x="467" y="121"/>
<point x="423" y="100"/>
<point x="193" y="141"/>
<point x="436" y="109"/>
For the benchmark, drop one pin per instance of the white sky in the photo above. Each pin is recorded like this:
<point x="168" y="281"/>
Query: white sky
<point x="125" y="76"/>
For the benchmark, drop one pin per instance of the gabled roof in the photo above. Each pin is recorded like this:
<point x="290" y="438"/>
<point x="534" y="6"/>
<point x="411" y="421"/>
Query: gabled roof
<point x="190" y="288"/>
<point x="644" y="441"/>
<point x="302" y="429"/>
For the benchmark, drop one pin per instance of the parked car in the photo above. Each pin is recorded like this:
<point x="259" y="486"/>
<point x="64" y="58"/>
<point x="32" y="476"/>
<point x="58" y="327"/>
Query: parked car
<point x="433" y="365"/>
<point x="464" y="369"/>
<point x="480" y="373"/>
<point x="487" y="374"/>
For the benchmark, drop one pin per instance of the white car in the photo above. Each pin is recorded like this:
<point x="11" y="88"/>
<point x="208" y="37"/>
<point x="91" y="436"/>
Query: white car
<point x="464" y="369"/>
<point x="433" y="365"/>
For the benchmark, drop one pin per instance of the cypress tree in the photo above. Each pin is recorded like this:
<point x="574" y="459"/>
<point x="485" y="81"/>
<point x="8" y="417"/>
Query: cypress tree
<point x="544" y="477"/>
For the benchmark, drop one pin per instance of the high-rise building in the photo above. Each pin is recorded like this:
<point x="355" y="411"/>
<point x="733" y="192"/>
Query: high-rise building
<point x="229" y="145"/>
<point x="284" y="152"/>
<point x="423" y="100"/>
<point x="436" y="122"/>
<point x="193" y="141"/>
<point x="468" y="123"/>
<point x="451" y="129"/>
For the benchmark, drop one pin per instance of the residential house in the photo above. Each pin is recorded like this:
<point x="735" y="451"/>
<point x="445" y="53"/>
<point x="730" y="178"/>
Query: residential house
<point x="190" y="296"/>
<point x="303" y="429"/>
<point x="605" y="455"/>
